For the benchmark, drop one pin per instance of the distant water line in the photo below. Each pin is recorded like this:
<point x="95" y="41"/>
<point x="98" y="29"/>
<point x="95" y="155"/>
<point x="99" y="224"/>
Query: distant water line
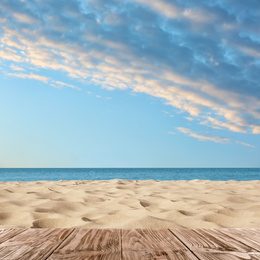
<point x="161" y="174"/>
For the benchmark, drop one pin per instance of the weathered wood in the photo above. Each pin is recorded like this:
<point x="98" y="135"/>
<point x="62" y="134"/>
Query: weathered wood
<point x="248" y="237"/>
<point x="6" y="234"/>
<point x="33" y="244"/>
<point x="90" y="244"/>
<point x="131" y="244"/>
<point x="213" y="244"/>
<point x="153" y="244"/>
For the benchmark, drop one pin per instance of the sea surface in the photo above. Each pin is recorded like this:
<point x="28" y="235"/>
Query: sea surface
<point x="56" y="174"/>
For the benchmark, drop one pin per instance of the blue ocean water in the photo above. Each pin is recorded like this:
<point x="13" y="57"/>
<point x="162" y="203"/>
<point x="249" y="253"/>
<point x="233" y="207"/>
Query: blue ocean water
<point x="55" y="174"/>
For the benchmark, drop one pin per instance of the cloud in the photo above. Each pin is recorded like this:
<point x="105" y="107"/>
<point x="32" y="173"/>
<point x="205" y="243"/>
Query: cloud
<point x="194" y="55"/>
<point x="245" y="144"/>
<point x="24" y="18"/>
<point x="203" y="137"/>
<point x="62" y="84"/>
<point x="215" y="139"/>
<point x="184" y="130"/>
<point x="10" y="54"/>
<point x="29" y="76"/>
<point x="13" y="67"/>
<point x="53" y="83"/>
<point x="166" y="8"/>
<point x="256" y="129"/>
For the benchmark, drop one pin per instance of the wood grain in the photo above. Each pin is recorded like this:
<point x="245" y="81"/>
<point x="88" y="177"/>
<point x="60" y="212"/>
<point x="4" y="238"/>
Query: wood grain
<point x="213" y="244"/>
<point x="33" y="244"/>
<point x="153" y="244"/>
<point x="6" y="234"/>
<point x="90" y="244"/>
<point x="129" y="244"/>
<point x="249" y="237"/>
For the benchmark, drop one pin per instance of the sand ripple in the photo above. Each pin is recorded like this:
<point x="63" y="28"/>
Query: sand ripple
<point x="130" y="204"/>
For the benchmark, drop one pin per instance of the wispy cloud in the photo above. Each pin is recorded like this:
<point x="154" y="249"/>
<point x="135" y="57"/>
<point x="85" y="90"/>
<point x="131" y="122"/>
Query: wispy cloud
<point x="60" y="84"/>
<point x="30" y="76"/>
<point x="13" y="67"/>
<point x="165" y="8"/>
<point x="195" y="55"/>
<point x="47" y="80"/>
<point x="245" y="144"/>
<point x="10" y="54"/>
<point x="215" y="139"/>
<point x="200" y="137"/>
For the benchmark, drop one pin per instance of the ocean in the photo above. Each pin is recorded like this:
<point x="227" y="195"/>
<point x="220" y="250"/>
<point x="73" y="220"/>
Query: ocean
<point x="56" y="174"/>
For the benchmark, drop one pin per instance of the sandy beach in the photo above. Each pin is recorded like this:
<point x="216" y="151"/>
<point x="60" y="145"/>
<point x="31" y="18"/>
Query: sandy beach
<point x="130" y="204"/>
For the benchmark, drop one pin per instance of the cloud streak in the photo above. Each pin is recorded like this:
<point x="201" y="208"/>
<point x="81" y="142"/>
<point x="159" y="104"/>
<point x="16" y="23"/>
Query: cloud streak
<point x="195" y="56"/>
<point x="245" y="144"/>
<point x="29" y="76"/>
<point x="203" y="137"/>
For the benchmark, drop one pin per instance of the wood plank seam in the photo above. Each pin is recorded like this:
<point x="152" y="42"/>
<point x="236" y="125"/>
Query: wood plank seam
<point x="121" y="248"/>
<point x="184" y="245"/>
<point x="60" y="244"/>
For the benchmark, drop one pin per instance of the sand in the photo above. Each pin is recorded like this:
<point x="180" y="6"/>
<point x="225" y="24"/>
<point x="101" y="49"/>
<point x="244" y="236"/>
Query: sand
<point x="130" y="204"/>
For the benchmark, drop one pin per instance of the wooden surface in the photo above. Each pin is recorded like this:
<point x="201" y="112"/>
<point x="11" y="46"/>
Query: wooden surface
<point x="129" y="244"/>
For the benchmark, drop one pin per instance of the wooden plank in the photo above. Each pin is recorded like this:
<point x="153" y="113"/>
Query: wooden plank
<point x="6" y="234"/>
<point x="212" y="244"/>
<point x="153" y="244"/>
<point x="33" y="244"/>
<point x="80" y="244"/>
<point x="90" y="244"/>
<point x="250" y="237"/>
<point x="252" y="233"/>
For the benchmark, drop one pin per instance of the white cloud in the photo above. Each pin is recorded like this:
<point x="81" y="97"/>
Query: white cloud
<point x="245" y="144"/>
<point x="203" y="137"/>
<point x="255" y="129"/>
<point x="62" y="84"/>
<point x="184" y="130"/>
<point x="24" y="18"/>
<point x="198" y="16"/>
<point x="30" y="76"/>
<point x="13" y="67"/>
<point x="211" y="138"/>
<point x="9" y="54"/>
<point x="163" y="7"/>
<point x="231" y="126"/>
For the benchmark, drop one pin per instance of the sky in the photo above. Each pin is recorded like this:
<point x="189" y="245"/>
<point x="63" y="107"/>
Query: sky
<point x="129" y="83"/>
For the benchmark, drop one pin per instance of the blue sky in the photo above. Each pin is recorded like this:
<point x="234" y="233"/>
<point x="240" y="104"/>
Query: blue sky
<point x="110" y="83"/>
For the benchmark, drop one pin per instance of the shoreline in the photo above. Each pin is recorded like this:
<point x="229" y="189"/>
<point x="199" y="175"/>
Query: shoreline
<point x="121" y="203"/>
